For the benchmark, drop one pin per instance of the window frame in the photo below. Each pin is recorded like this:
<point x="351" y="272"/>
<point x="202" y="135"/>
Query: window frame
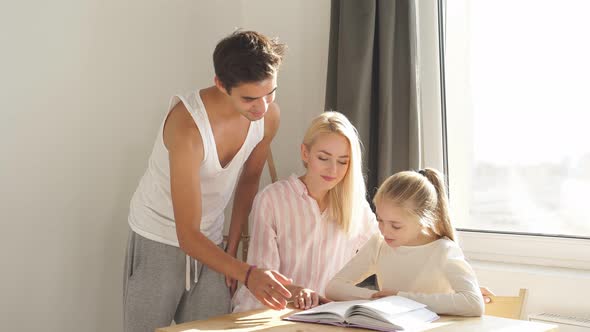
<point x="504" y="247"/>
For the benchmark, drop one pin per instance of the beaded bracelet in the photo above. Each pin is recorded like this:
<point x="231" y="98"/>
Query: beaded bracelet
<point x="248" y="274"/>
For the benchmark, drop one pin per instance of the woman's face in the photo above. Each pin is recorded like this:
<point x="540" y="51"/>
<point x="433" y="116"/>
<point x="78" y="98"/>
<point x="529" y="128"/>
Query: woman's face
<point x="327" y="160"/>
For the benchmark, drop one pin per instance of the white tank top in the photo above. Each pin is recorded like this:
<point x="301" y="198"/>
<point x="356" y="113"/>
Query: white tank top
<point x="151" y="214"/>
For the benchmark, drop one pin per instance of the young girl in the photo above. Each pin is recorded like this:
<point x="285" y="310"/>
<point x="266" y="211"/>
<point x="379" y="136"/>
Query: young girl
<point x="308" y="227"/>
<point x="416" y="255"/>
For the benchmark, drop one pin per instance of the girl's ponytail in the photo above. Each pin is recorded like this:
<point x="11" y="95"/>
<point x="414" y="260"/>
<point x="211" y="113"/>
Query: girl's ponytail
<point x="442" y="226"/>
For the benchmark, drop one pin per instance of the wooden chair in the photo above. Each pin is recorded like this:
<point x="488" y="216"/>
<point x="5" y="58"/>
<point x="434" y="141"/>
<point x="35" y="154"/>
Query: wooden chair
<point x="245" y="238"/>
<point x="507" y="306"/>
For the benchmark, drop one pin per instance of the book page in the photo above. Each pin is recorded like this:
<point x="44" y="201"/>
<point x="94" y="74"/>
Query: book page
<point x="386" y="314"/>
<point x="391" y="305"/>
<point x="402" y="321"/>
<point x="329" y="310"/>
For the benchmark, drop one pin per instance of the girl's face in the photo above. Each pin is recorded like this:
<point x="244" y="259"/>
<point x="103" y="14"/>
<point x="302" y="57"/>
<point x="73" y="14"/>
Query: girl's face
<point x="327" y="160"/>
<point x="398" y="226"/>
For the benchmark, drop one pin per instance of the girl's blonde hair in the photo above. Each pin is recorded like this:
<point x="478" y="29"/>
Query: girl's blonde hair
<point x="345" y="200"/>
<point x="423" y="194"/>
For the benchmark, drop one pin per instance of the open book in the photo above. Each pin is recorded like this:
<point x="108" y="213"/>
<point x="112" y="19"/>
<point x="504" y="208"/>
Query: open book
<point x="392" y="313"/>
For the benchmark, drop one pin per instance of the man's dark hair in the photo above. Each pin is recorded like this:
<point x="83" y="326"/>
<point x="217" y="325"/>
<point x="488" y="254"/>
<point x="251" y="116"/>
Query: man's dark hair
<point x="246" y="56"/>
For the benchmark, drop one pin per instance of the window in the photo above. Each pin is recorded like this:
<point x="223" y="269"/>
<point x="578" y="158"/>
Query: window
<point x="516" y="86"/>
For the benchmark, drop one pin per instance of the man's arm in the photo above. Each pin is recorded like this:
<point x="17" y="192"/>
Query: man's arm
<point x="249" y="181"/>
<point x="185" y="149"/>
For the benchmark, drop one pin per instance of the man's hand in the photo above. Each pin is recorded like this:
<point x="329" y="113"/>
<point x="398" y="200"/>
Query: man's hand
<point x="231" y="284"/>
<point x="383" y="293"/>
<point x="267" y="287"/>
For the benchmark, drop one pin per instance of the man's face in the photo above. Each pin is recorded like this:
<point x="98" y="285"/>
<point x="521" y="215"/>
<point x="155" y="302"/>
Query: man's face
<point x="252" y="99"/>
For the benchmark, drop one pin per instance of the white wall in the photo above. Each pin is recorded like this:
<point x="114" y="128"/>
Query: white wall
<point x="305" y="27"/>
<point x="83" y="87"/>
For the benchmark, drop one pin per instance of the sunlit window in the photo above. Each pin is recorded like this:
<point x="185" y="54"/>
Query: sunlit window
<point x="517" y="81"/>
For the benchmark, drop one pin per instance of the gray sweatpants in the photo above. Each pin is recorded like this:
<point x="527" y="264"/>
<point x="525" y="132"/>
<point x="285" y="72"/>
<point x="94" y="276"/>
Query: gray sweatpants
<point x="154" y="291"/>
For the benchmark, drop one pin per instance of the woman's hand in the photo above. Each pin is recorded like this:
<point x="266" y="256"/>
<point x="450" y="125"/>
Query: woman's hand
<point x="383" y="293"/>
<point x="305" y="298"/>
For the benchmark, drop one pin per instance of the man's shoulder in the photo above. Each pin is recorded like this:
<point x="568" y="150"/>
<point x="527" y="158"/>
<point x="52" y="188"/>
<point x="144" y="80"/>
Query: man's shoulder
<point x="273" y="113"/>
<point x="179" y="127"/>
<point x="272" y="120"/>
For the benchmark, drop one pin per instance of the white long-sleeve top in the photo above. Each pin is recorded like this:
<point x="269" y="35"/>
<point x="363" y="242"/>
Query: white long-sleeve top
<point x="291" y="235"/>
<point x="435" y="274"/>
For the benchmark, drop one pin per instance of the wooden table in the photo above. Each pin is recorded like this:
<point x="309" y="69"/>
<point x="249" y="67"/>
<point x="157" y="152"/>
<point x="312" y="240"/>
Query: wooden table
<point x="270" y="320"/>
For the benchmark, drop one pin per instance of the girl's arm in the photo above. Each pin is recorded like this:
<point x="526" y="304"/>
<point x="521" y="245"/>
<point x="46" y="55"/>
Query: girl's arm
<point x="466" y="299"/>
<point x="343" y="285"/>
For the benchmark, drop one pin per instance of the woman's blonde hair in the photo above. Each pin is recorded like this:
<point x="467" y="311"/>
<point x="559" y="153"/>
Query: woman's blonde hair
<point x="423" y="194"/>
<point x="345" y="200"/>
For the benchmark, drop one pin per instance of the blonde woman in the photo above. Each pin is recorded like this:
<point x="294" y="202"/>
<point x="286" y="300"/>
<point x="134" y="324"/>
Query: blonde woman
<point x="308" y="227"/>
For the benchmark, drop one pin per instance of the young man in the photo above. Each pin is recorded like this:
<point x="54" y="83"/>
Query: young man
<point x="210" y="141"/>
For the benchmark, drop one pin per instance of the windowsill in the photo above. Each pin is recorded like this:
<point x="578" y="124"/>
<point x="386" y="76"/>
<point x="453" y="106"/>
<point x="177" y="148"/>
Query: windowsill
<point x="526" y="249"/>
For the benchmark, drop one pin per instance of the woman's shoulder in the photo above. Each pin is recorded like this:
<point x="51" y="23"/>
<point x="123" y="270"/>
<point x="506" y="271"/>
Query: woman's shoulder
<point x="282" y="188"/>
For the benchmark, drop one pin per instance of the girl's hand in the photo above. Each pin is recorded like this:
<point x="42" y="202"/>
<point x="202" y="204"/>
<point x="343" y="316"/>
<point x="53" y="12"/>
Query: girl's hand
<point x="384" y="293"/>
<point x="486" y="293"/>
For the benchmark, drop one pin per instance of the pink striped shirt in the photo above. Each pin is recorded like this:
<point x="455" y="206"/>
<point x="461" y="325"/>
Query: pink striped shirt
<point x="292" y="236"/>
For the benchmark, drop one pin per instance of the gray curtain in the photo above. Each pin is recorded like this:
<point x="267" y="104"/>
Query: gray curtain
<point x="372" y="79"/>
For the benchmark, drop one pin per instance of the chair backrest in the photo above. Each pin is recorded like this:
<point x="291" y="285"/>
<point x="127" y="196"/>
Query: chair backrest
<point x="507" y="306"/>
